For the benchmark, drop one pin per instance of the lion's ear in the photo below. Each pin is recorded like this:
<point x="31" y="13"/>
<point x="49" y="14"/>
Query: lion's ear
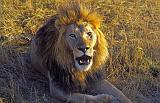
<point x="59" y="27"/>
<point x="57" y="24"/>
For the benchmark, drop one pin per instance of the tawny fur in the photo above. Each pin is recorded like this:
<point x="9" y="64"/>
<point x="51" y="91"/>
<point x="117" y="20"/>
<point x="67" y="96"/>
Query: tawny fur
<point x="65" y="16"/>
<point x="50" y="53"/>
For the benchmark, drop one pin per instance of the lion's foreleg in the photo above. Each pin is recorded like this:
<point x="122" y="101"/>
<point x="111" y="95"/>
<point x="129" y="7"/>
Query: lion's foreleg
<point x="105" y="87"/>
<point x="84" y="98"/>
<point x="76" y="97"/>
<point x="54" y="91"/>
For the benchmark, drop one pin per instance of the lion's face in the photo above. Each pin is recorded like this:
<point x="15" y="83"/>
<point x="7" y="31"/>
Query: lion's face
<point x="81" y="40"/>
<point x="72" y="40"/>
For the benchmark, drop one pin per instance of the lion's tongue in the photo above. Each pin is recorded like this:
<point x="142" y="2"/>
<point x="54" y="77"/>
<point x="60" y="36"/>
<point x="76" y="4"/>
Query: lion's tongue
<point x="84" y="60"/>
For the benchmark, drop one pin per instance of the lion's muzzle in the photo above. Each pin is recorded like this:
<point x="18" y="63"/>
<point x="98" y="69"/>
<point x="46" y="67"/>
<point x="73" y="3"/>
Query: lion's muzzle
<point x="84" y="60"/>
<point x="83" y="49"/>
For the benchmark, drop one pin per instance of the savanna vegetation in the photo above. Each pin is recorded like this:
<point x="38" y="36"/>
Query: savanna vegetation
<point x="132" y="28"/>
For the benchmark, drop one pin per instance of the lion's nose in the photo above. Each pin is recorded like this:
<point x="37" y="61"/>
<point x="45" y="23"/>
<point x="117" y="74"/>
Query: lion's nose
<point x="84" y="49"/>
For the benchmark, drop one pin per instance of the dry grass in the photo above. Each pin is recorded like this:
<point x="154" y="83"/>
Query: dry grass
<point x="132" y="29"/>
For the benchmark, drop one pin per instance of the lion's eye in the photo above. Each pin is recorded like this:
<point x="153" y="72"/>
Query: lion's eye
<point x="72" y="35"/>
<point x="89" y="34"/>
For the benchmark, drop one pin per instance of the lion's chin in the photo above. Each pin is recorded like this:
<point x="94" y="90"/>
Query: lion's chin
<point x="83" y="63"/>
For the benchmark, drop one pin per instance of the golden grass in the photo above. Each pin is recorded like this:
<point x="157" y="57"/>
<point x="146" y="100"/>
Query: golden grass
<point x="132" y="28"/>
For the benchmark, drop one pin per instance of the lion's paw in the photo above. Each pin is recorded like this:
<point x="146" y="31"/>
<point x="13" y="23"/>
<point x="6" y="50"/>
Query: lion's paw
<point x="104" y="98"/>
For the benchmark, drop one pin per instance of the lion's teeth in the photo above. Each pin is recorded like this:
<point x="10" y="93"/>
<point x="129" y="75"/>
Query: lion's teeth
<point x="88" y="60"/>
<point x="81" y="61"/>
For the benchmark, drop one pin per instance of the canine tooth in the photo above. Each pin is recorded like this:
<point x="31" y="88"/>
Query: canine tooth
<point x="80" y="61"/>
<point x="88" y="60"/>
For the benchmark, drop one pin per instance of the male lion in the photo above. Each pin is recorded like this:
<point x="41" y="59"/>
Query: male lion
<point x="70" y="50"/>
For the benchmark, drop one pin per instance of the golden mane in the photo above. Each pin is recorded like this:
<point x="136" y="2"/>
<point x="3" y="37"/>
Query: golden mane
<point x="53" y="48"/>
<point x="74" y="12"/>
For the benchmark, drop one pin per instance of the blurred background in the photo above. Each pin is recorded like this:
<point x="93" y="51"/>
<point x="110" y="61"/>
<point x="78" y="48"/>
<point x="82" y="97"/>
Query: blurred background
<point x="132" y="29"/>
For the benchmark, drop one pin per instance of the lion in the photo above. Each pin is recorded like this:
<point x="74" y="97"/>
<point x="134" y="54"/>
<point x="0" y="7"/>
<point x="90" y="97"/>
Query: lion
<point x="71" y="50"/>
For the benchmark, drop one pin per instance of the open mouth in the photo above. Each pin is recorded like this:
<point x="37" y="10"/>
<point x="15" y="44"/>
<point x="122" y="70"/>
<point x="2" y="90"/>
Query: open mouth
<point x="84" y="60"/>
